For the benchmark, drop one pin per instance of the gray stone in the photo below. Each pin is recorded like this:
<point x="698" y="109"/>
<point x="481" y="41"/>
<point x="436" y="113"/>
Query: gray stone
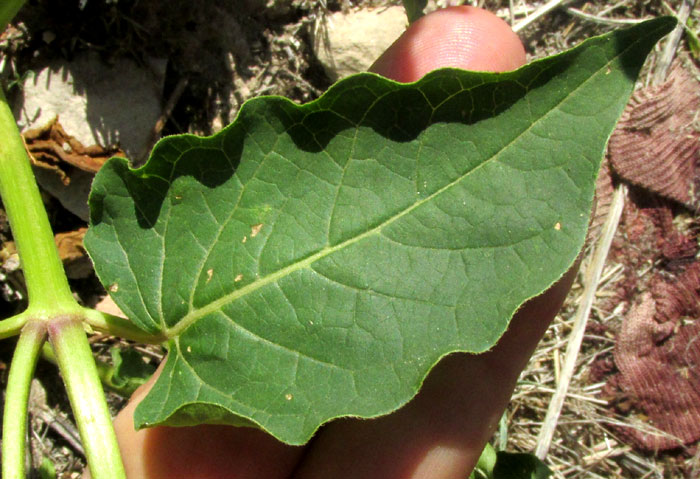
<point x="347" y="43"/>
<point x="96" y="103"/>
<point x="73" y="196"/>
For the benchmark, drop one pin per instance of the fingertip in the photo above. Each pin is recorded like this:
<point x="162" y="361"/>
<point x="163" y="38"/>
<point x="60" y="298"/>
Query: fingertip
<point x="462" y="37"/>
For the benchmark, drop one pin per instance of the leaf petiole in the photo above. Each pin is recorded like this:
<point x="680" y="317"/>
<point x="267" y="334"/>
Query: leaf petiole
<point x="13" y="326"/>
<point x="116" y="326"/>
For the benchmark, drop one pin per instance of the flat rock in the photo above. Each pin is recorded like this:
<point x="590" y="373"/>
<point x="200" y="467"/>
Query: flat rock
<point x="348" y="43"/>
<point x="97" y="103"/>
<point x="73" y="196"/>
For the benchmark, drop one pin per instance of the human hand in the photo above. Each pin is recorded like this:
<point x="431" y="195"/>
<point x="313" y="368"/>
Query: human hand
<point x="440" y="433"/>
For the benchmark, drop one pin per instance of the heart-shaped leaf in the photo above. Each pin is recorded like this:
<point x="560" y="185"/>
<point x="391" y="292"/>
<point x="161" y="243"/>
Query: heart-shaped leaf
<point x="315" y="261"/>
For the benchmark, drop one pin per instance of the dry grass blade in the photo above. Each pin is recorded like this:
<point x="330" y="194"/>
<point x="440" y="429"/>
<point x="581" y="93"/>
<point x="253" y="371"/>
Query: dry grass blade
<point x="674" y="39"/>
<point x="540" y="12"/>
<point x="592" y="279"/>
<point x="604" y="20"/>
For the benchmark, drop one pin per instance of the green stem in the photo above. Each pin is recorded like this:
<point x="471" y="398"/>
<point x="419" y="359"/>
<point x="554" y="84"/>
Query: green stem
<point x="47" y="285"/>
<point x="8" y="10"/>
<point x="12" y="326"/>
<point x="14" y="421"/>
<point x="116" y="326"/>
<point x="105" y="371"/>
<point x="86" y="396"/>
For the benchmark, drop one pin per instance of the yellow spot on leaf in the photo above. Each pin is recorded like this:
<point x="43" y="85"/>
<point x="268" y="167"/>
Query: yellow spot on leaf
<point x="255" y="229"/>
<point x="210" y="273"/>
<point x="288" y="397"/>
<point x="245" y="238"/>
<point x="239" y="277"/>
<point x="114" y="288"/>
<point x="189" y="349"/>
<point x="557" y="226"/>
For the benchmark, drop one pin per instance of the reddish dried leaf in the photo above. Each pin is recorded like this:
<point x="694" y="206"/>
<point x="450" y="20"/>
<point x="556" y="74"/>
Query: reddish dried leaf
<point x="658" y="356"/>
<point x="678" y="299"/>
<point x="656" y="144"/>
<point x="636" y="247"/>
<point x="647" y="241"/>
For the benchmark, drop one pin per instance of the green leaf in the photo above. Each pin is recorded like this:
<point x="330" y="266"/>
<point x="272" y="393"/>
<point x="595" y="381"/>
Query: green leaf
<point x="485" y="464"/>
<point x="315" y="261"/>
<point x="494" y="464"/>
<point x="511" y="465"/>
<point x="414" y="9"/>
<point x="128" y="372"/>
<point x="46" y="469"/>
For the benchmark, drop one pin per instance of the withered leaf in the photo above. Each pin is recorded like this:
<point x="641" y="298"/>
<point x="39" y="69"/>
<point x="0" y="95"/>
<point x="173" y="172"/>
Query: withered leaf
<point x="656" y="143"/>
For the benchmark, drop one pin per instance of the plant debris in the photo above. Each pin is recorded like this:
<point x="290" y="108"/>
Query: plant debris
<point x="70" y="250"/>
<point x="658" y="357"/>
<point x="657" y="140"/>
<point x="51" y="148"/>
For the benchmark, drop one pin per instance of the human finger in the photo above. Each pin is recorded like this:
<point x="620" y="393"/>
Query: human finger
<point x="460" y="37"/>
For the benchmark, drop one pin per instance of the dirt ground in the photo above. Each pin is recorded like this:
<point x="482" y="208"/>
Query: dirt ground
<point x="219" y="54"/>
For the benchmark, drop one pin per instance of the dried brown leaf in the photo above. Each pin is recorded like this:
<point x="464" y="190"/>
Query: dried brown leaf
<point x="656" y="143"/>
<point x="51" y="148"/>
<point x="73" y="254"/>
<point x="658" y="356"/>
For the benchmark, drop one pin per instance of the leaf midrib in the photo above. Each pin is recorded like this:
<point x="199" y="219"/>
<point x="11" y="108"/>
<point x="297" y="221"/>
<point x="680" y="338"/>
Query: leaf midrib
<point x="194" y="315"/>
